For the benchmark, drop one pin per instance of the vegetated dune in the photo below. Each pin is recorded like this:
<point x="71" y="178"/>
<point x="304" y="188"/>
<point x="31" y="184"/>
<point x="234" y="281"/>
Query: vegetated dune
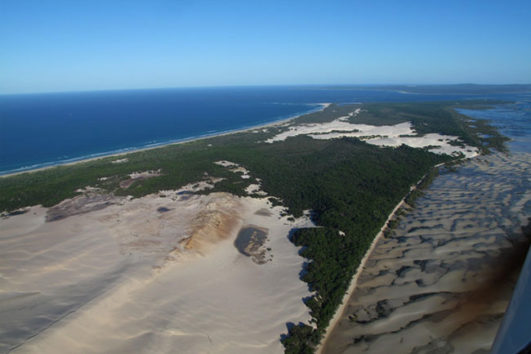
<point x="154" y="274"/>
<point x="442" y="281"/>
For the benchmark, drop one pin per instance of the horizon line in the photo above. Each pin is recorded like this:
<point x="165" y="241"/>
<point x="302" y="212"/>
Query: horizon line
<point x="258" y="85"/>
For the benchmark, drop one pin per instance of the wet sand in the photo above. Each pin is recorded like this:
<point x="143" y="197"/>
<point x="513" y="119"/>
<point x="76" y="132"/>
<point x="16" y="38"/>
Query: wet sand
<point x="442" y="281"/>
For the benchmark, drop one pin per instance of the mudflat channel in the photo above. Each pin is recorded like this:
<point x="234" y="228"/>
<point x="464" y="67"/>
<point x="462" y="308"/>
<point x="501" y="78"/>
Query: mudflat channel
<point x="440" y="283"/>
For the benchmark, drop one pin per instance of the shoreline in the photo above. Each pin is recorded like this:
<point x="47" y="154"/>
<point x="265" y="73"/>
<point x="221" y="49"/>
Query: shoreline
<point x="354" y="281"/>
<point x="473" y="295"/>
<point x="164" y="144"/>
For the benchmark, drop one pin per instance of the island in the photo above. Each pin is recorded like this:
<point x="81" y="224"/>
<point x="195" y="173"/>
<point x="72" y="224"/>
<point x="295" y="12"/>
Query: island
<point x="242" y="242"/>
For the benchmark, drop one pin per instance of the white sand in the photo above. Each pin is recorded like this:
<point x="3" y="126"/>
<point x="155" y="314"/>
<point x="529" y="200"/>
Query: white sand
<point x="206" y="184"/>
<point x="384" y="135"/>
<point x="132" y="278"/>
<point x="235" y="168"/>
<point x="144" y="174"/>
<point x="255" y="189"/>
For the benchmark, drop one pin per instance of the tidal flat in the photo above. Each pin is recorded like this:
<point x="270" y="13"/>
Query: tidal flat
<point x="442" y="280"/>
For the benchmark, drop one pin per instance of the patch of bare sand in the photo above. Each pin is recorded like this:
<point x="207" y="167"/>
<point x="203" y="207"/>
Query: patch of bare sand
<point x="138" y="176"/>
<point x="153" y="274"/>
<point x="384" y="135"/>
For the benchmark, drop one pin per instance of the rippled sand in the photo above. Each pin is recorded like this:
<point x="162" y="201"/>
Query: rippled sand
<point x="442" y="281"/>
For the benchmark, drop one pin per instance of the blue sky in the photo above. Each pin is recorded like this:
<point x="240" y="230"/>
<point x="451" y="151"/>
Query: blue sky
<point x="92" y="45"/>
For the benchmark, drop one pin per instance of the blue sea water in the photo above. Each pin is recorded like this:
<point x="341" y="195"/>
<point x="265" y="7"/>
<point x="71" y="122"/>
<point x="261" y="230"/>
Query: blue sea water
<point x="38" y="130"/>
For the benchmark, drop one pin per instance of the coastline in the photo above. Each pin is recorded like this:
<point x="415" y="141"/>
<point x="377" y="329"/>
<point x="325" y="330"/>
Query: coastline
<point x="354" y="281"/>
<point x="424" y="270"/>
<point x="163" y="208"/>
<point x="164" y="144"/>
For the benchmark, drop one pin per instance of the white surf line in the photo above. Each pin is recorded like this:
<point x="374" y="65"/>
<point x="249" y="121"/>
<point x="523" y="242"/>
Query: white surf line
<point x="354" y="281"/>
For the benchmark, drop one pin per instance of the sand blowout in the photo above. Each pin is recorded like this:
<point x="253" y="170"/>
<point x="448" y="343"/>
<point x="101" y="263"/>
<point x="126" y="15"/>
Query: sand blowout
<point x="99" y="273"/>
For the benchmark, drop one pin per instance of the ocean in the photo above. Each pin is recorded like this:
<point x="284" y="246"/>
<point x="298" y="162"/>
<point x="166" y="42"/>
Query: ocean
<point x="39" y="130"/>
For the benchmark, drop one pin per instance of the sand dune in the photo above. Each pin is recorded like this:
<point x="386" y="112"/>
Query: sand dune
<point x="155" y="274"/>
<point x="442" y="282"/>
<point x="382" y="135"/>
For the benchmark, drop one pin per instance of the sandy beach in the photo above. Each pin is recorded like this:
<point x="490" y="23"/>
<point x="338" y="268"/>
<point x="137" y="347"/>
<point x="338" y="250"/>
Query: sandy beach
<point x="442" y="281"/>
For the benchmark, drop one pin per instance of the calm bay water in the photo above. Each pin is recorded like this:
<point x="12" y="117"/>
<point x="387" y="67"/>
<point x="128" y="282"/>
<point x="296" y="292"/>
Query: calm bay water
<point x="512" y="120"/>
<point x="46" y="129"/>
